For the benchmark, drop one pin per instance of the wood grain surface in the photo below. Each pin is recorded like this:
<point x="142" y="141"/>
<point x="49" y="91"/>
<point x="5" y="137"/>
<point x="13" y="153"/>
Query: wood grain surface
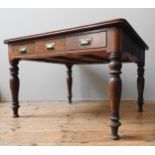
<point x="80" y="123"/>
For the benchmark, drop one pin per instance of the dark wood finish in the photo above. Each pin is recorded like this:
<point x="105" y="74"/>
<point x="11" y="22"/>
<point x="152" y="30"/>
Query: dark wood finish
<point x="120" y="23"/>
<point x="115" y="83"/>
<point x="97" y="40"/>
<point x="14" y="86"/>
<point x="112" y="42"/>
<point x="29" y="49"/>
<point x="115" y="88"/>
<point x="72" y="60"/>
<point x="69" y="82"/>
<point x="140" y="85"/>
<point x="95" y="57"/>
<point x="40" y="46"/>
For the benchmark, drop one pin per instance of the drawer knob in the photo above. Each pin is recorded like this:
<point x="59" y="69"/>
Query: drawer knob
<point x="23" y="50"/>
<point x="50" y="46"/>
<point x="85" y="41"/>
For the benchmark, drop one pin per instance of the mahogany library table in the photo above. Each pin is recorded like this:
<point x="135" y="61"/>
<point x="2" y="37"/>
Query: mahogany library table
<point x="112" y="42"/>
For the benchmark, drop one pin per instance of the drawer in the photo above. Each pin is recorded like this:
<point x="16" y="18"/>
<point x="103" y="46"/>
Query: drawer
<point x="49" y="46"/>
<point x="87" y="41"/>
<point x="23" y="49"/>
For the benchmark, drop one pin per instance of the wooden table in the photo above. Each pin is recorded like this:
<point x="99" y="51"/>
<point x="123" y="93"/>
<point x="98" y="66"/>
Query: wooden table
<point x="112" y="42"/>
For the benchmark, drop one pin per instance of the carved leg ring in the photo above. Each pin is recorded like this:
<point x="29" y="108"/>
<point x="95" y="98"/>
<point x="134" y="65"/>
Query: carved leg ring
<point x="69" y="82"/>
<point x="115" y="87"/>
<point x="140" y="85"/>
<point x="14" y="86"/>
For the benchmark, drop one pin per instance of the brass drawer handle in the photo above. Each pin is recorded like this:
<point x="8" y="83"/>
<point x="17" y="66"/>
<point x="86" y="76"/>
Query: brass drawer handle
<point x="50" y="46"/>
<point x="23" y="50"/>
<point x="85" y="41"/>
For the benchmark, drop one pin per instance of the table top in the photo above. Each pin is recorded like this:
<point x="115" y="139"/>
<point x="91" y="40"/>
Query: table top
<point x="120" y="22"/>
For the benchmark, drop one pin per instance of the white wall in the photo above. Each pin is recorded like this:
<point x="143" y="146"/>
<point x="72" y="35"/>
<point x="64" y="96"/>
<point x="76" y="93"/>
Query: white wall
<point x="40" y="81"/>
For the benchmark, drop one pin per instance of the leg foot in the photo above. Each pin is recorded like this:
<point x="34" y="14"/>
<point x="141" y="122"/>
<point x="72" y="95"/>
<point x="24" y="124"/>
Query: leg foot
<point x="69" y="82"/>
<point x="15" y="107"/>
<point x="114" y="123"/>
<point x="14" y="86"/>
<point x="115" y="87"/>
<point x="140" y="85"/>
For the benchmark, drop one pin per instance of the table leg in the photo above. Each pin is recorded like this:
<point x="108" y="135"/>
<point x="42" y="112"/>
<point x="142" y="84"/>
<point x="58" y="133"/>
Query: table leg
<point x="115" y="87"/>
<point x="14" y="86"/>
<point x="140" y="85"/>
<point x="69" y="82"/>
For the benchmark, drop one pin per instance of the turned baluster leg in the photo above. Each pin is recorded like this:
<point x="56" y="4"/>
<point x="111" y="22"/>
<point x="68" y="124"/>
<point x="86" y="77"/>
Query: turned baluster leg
<point x="69" y="82"/>
<point x="14" y="86"/>
<point x="115" y="87"/>
<point x="140" y="85"/>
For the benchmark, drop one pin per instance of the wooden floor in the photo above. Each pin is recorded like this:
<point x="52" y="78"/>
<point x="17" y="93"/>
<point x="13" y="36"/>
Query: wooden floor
<point x="82" y="123"/>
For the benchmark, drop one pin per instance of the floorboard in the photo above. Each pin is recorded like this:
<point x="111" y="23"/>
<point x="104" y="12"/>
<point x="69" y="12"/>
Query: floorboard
<point x="81" y="123"/>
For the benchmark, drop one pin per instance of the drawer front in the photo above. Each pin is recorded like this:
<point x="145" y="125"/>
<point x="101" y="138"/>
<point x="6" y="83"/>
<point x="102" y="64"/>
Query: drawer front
<point x="50" y="46"/>
<point x="23" y="49"/>
<point x="87" y="41"/>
